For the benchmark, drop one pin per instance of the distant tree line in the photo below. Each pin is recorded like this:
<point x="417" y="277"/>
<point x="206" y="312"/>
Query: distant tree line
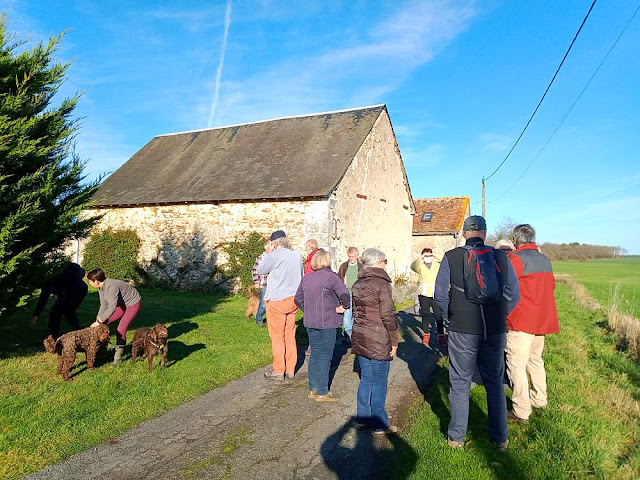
<point x="555" y="251"/>
<point x="580" y="251"/>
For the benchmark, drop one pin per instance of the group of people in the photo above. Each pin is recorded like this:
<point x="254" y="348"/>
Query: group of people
<point x="119" y="302"/>
<point x="512" y="328"/>
<point x="357" y="298"/>
<point x="489" y="336"/>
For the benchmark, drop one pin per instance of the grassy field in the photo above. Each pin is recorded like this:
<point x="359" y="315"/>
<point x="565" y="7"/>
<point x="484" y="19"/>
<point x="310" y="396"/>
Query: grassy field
<point x="591" y="428"/>
<point x="599" y="277"/>
<point x="44" y="419"/>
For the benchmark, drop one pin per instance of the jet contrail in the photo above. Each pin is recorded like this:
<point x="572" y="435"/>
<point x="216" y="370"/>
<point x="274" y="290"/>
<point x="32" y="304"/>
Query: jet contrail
<point x="214" y="104"/>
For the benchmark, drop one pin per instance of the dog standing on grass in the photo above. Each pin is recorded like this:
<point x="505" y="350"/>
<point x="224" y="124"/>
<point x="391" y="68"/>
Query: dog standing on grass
<point x="151" y="342"/>
<point x="87" y="340"/>
<point x="253" y="302"/>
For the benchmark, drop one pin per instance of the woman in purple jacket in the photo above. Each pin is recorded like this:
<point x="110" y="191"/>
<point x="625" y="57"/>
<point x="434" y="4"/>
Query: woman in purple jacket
<point x="323" y="297"/>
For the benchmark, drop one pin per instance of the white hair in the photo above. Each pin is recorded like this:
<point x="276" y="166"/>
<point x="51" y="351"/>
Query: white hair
<point x="372" y="256"/>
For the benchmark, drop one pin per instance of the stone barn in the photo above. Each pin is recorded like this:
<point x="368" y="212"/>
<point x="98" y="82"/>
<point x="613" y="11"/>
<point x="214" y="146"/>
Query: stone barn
<point x="438" y="224"/>
<point x="337" y="177"/>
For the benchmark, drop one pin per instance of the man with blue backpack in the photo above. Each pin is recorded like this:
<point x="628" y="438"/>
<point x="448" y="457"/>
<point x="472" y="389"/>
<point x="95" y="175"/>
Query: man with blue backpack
<point x="476" y="288"/>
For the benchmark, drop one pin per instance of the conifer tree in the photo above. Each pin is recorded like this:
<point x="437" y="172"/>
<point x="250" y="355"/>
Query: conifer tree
<point x="41" y="181"/>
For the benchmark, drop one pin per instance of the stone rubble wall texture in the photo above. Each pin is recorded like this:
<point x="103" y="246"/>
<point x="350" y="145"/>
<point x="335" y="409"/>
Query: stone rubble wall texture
<point x="186" y="238"/>
<point x="383" y="219"/>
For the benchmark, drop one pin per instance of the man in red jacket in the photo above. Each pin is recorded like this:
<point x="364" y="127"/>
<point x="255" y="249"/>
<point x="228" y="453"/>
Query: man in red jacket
<point x="527" y="324"/>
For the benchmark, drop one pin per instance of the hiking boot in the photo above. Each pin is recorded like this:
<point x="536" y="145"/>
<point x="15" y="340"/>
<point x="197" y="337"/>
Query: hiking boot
<point x="442" y="340"/>
<point x="512" y="417"/>
<point x="290" y="375"/>
<point x="454" y="444"/>
<point x="312" y="394"/>
<point x="502" y="446"/>
<point x="273" y="375"/>
<point x="425" y="338"/>
<point x="328" y="397"/>
<point x="117" y="357"/>
<point x="390" y="430"/>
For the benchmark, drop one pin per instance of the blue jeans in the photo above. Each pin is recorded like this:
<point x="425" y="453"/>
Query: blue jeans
<point x="321" y="341"/>
<point x="372" y="393"/>
<point x="347" y="318"/>
<point x="465" y="352"/>
<point x="261" y="306"/>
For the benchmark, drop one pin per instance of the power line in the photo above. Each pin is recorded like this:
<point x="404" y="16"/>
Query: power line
<point x="545" y="92"/>
<point x="573" y="105"/>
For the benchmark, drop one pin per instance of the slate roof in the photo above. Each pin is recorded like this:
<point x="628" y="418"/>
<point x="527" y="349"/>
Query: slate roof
<point x="295" y="157"/>
<point x="448" y="214"/>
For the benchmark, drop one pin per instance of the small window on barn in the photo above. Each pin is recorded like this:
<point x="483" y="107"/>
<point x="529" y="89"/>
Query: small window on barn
<point x="427" y="216"/>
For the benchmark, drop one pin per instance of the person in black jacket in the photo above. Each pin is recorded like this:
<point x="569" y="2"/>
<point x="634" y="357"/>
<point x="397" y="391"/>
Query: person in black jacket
<point x="70" y="290"/>
<point x="477" y="335"/>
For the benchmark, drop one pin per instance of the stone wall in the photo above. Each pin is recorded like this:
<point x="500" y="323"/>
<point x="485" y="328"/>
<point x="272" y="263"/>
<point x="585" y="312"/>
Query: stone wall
<point x="371" y="206"/>
<point x="186" y="238"/>
<point x="438" y="243"/>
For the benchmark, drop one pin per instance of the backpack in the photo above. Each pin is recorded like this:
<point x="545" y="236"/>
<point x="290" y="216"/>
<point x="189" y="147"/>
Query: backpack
<point x="482" y="276"/>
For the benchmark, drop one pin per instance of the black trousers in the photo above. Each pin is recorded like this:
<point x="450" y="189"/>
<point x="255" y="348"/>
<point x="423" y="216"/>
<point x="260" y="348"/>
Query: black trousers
<point x="58" y="310"/>
<point x="426" y="304"/>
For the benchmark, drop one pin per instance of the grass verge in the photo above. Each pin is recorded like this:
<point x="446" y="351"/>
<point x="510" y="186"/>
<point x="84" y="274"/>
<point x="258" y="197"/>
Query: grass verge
<point x="44" y="420"/>
<point x="591" y="428"/>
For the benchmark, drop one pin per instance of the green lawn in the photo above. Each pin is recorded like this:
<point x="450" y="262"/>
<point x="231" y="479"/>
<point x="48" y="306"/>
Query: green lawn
<point x="591" y="428"/>
<point x="44" y="419"/>
<point x="599" y="277"/>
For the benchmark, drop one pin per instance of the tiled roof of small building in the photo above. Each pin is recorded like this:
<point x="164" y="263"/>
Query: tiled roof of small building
<point x="448" y="214"/>
<point x="295" y="157"/>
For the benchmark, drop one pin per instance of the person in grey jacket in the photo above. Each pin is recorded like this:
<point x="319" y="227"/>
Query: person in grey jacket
<point x="118" y="301"/>
<point x="283" y="268"/>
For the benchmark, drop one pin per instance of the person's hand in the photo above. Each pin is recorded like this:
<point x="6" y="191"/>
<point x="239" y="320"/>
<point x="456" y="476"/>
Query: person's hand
<point x="393" y="351"/>
<point x="95" y="324"/>
<point x="340" y="309"/>
<point x="32" y="320"/>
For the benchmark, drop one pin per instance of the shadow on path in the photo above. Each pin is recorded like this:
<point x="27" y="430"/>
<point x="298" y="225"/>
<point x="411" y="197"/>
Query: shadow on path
<point x="356" y="454"/>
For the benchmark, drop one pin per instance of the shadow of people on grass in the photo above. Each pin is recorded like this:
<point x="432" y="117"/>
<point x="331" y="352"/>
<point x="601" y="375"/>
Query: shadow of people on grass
<point x="356" y="454"/>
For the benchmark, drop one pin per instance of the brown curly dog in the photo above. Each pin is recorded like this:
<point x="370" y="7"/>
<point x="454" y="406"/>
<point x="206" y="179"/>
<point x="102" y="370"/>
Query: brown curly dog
<point x="150" y="341"/>
<point x="87" y="340"/>
<point x="253" y="302"/>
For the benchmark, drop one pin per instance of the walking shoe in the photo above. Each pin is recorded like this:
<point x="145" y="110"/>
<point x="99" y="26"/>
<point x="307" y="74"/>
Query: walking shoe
<point x="454" y="444"/>
<point x="391" y="430"/>
<point x="442" y="340"/>
<point x="290" y="375"/>
<point x="260" y="324"/>
<point x="502" y="446"/>
<point x="312" y="394"/>
<point x="273" y="375"/>
<point x="328" y="397"/>
<point x="425" y="338"/>
<point x="512" y="417"/>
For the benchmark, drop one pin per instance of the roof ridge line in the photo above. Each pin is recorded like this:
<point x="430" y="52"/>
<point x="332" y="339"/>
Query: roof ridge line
<point x="271" y="120"/>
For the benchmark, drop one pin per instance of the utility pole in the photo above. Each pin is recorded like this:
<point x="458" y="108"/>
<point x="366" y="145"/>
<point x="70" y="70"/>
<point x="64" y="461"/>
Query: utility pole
<point x="483" y="197"/>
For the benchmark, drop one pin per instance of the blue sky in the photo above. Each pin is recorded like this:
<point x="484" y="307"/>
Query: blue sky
<point x="460" y="79"/>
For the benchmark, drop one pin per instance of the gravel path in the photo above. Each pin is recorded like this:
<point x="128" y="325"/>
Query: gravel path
<point x="253" y="428"/>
